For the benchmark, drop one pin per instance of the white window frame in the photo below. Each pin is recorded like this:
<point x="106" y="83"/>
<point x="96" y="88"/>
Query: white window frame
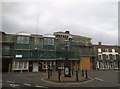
<point x="99" y="50"/>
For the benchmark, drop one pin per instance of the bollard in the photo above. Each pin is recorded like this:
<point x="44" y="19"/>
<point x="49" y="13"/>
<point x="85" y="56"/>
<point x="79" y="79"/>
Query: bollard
<point x="86" y="74"/>
<point x="48" y="73"/>
<point x="76" y="75"/>
<point x="82" y="72"/>
<point x="51" y="72"/>
<point x="59" y="73"/>
<point x="72" y="71"/>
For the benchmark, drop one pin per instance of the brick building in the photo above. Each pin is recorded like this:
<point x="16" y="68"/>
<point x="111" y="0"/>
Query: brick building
<point x="107" y="56"/>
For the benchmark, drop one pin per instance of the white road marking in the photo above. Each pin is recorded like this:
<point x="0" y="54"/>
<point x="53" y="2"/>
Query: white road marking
<point x="0" y="80"/>
<point x="41" y="86"/>
<point x="27" y="84"/>
<point x="14" y="85"/>
<point x="10" y="82"/>
<point x="99" y="79"/>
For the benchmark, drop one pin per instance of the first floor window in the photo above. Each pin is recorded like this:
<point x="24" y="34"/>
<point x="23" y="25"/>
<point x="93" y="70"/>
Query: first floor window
<point x="100" y="57"/>
<point x="114" y="57"/>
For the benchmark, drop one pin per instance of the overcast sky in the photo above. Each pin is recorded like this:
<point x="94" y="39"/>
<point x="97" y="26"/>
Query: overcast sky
<point x="97" y="20"/>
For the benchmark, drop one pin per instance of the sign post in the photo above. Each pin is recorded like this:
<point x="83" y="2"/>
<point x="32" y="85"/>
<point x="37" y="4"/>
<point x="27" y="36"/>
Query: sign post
<point x="67" y="64"/>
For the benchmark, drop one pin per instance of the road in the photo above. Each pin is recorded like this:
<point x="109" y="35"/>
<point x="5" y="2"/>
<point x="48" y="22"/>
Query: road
<point x="108" y="78"/>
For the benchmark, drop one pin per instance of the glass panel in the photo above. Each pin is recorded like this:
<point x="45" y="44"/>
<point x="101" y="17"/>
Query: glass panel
<point x="48" y="41"/>
<point x="25" y="65"/>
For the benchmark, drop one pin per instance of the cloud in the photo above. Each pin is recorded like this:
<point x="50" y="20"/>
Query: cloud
<point x="95" y="20"/>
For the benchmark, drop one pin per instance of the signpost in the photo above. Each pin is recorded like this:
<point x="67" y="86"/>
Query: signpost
<point x="67" y="64"/>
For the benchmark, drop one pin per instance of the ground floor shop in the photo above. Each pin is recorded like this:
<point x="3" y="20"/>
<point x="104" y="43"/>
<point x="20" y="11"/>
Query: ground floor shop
<point x="43" y="64"/>
<point x="32" y="65"/>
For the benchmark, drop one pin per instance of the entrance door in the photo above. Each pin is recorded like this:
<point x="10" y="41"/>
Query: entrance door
<point x="35" y="66"/>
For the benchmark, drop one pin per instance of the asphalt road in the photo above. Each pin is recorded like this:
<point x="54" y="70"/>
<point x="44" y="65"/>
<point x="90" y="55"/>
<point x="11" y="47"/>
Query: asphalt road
<point x="107" y="78"/>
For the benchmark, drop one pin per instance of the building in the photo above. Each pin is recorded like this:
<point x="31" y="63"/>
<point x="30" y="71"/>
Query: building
<point x="107" y="56"/>
<point x="7" y="41"/>
<point x="23" y="52"/>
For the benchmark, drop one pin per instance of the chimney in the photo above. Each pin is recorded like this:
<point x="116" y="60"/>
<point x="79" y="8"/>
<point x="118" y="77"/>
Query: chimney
<point x="67" y="32"/>
<point x="99" y="43"/>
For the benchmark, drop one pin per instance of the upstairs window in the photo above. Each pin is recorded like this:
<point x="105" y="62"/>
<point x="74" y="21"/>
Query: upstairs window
<point x="48" y="41"/>
<point x="106" y="50"/>
<point x="23" y="39"/>
<point x="99" y="50"/>
<point x="107" y="56"/>
<point x="114" y="57"/>
<point x="113" y="50"/>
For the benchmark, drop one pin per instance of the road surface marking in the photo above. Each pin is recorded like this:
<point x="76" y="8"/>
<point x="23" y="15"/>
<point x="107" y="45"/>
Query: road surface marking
<point x="14" y="85"/>
<point x="99" y="79"/>
<point x="27" y="84"/>
<point x="0" y="80"/>
<point x="41" y="86"/>
<point x="10" y="82"/>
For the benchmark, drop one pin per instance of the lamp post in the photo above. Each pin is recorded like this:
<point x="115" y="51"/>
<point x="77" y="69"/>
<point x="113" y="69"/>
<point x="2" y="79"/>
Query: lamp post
<point x="67" y="64"/>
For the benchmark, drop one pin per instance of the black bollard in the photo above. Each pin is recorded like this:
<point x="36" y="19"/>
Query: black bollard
<point x="82" y="72"/>
<point x="86" y="74"/>
<point x="72" y="71"/>
<point x="76" y="75"/>
<point x="59" y="73"/>
<point x="48" y="73"/>
<point x="51" y="72"/>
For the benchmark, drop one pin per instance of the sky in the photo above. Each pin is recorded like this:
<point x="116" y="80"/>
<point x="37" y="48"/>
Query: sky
<point x="97" y="20"/>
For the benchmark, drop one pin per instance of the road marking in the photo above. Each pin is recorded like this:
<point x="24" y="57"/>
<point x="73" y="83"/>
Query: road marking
<point x="0" y="80"/>
<point x="99" y="79"/>
<point x="41" y="86"/>
<point x="10" y="82"/>
<point x="14" y="85"/>
<point x="27" y="84"/>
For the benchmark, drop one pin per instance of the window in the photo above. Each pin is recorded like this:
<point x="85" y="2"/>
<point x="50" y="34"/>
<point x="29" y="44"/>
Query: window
<point x="16" y="64"/>
<point x="114" y="57"/>
<point x="25" y="65"/>
<point x="99" y="49"/>
<point x="23" y="39"/>
<point x="48" y="41"/>
<point x="100" y="57"/>
<point x="107" y="56"/>
<point x="113" y="50"/>
<point x="106" y="50"/>
<point x="20" y="65"/>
